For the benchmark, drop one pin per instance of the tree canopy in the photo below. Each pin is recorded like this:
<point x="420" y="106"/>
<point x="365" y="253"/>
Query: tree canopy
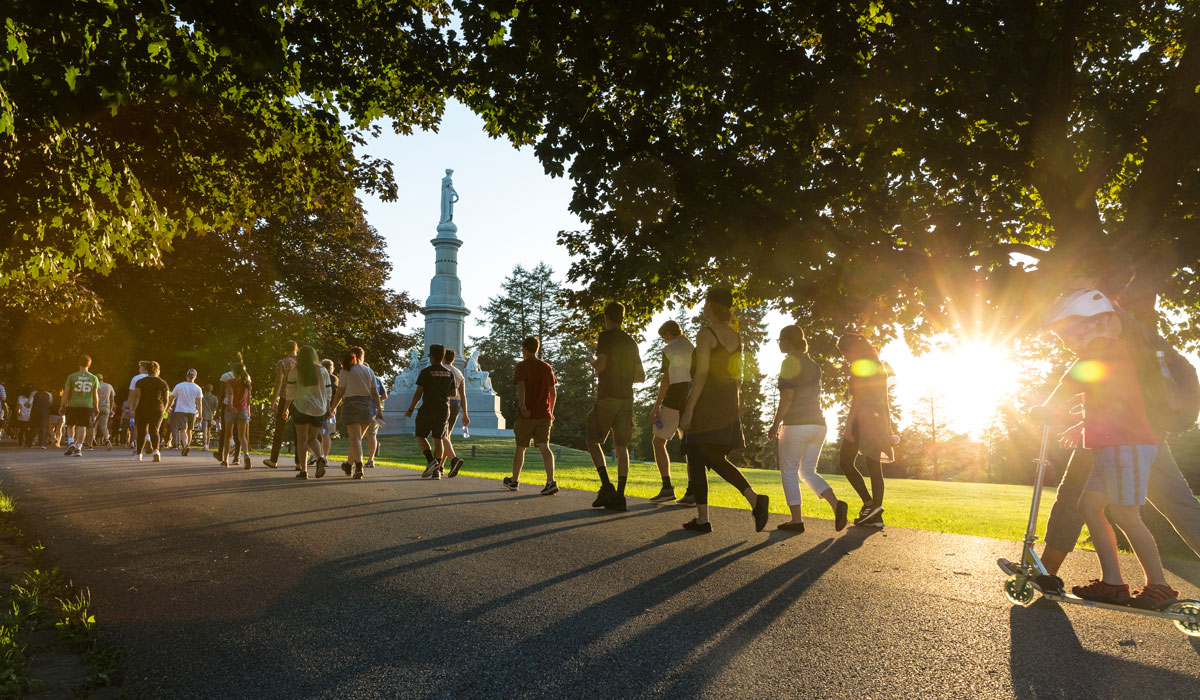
<point x="876" y="162"/>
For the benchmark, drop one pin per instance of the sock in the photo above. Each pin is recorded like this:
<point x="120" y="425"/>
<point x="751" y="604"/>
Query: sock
<point x="666" y="482"/>
<point x="603" y="472"/>
<point x="750" y="495"/>
<point x="621" y="479"/>
<point x="428" y="455"/>
<point x="70" y="442"/>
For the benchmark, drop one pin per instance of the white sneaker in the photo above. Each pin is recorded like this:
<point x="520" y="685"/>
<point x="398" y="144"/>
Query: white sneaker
<point x="138" y="454"/>
<point x="157" y="456"/>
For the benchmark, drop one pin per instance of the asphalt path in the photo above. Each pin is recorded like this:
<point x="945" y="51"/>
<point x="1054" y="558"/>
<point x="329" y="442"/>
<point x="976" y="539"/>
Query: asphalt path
<point x="231" y="583"/>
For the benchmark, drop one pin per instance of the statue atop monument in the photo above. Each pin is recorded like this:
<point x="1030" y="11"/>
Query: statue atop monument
<point x="449" y="197"/>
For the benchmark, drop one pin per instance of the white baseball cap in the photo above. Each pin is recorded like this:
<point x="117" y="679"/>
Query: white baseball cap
<point x="1082" y="302"/>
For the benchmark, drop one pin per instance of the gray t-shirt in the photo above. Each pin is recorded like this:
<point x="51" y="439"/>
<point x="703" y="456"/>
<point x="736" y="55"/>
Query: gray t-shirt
<point x="359" y="380"/>
<point x="803" y="377"/>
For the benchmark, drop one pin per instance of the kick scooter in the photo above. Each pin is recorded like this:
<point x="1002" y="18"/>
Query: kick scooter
<point x="1021" y="586"/>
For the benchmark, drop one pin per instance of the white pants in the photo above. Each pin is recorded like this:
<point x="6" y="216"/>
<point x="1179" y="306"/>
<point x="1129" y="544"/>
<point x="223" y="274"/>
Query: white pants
<point x="799" y="451"/>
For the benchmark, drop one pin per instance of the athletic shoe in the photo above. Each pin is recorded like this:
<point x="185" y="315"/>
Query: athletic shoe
<point x="70" y="451"/>
<point x="791" y="527"/>
<point x="245" y="461"/>
<point x="839" y="516"/>
<point x="346" y="467"/>
<point x="138" y="456"/>
<point x="370" y="464"/>
<point x="431" y="469"/>
<point x="687" y="500"/>
<point x="1154" y="596"/>
<point x="312" y="461"/>
<point x="550" y="488"/>
<point x="1049" y="583"/>
<point x="107" y="445"/>
<point x="696" y="526"/>
<point x="604" y="495"/>
<point x="867" y="513"/>
<point x="157" y="456"/>
<point x="455" y="466"/>
<point x="43" y="447"/>
<point x="216" y="455"/>
<point x="510" y="484"/>
<point x="1102" y="592"/>
<point x="761" y="510"/>
<point x="666" y="494"/>
<point x="224" y="464"/>
<point x="186" y="450"/>
<point x="270" y="463"/>
<point x="358" y="471"/>
<point x="303" y="476"/>
<point x="875" y="520"/>
<point x="78" y="453"/>
<point x="616" y="502"/>
<point x="320" y="468"/>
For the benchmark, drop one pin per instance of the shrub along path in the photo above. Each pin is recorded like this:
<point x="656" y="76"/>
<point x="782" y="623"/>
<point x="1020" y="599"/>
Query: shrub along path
<point x="231" y="583"/>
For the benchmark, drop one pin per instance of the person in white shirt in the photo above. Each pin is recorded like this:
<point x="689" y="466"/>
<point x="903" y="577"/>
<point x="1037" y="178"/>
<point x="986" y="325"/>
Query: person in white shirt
<point x="187" y="398"/>
<point x="356" y="385"/>
<point x="308" y="384"/>
<point x="672" y="397"/>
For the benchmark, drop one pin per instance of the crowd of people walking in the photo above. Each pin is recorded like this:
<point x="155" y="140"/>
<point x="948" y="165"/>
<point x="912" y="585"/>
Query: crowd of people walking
<point x="698" y="401"/>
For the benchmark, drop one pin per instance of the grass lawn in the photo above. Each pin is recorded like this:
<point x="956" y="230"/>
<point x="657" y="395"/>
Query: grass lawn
<point x="986" y="510"/>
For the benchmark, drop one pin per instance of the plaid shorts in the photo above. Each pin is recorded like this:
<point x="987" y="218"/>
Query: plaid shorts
<point x="1122" y="472"/>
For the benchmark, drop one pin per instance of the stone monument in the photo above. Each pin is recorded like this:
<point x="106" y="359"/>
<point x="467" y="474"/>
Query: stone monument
<point x="445" y="316"/>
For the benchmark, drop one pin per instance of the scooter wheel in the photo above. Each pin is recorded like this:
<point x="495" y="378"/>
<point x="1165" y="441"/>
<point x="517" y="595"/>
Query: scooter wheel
<point x="1019" y="590"/>
<point x="1187" y="607"/>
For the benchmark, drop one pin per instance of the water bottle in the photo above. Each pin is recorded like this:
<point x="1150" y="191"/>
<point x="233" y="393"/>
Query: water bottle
<point x="466" y="433"/>
<point x="658" y="422"/>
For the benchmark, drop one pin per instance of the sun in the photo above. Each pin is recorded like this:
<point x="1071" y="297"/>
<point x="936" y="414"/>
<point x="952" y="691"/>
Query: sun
<point x="960" y="382"/>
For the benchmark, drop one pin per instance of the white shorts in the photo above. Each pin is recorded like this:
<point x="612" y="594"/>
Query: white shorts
<point x="669" y="417"/>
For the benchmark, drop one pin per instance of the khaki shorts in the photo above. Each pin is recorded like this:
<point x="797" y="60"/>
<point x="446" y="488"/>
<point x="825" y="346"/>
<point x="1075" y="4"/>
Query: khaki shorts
<point x="535" y="429"/>
<point x="611" y="416"/>
<point x="669" y="417"/>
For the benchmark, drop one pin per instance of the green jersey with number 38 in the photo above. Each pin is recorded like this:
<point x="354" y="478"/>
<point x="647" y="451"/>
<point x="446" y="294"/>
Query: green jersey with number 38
<point x="81" y="385"/>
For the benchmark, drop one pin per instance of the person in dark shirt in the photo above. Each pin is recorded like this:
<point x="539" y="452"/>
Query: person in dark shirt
<point x="536" y="394"/>
<point x="39" y="417"/>
<point x="149" y="403"/>
<point x="618" y="367"/>
<point x="434" y="383"/>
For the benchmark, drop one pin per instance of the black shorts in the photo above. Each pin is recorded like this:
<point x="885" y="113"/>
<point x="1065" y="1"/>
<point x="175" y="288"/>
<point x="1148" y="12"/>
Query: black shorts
<point x="80" y="416"/>
<point x="304" y="419"/>
<point x="434" y="426"/>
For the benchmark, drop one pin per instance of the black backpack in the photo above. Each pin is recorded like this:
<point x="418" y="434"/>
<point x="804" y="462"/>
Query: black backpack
<point x="1170" y="386"/>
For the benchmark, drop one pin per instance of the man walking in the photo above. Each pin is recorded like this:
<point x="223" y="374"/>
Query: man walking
<point x="536" y="395"/>
<point x="106" y="396"/>
<point x="618" y="367"/>
<point x="143" y="371"/>
<point x="186" y="397"/>
<point x="80" y="396"/>
<point x="209" y="405"/>
<point x="39" y="415"/>
<point x="457" y="404"/>
<point x="434" y="384"/>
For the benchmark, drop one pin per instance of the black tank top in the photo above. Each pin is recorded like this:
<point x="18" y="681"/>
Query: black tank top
<point x="716" y="419"/>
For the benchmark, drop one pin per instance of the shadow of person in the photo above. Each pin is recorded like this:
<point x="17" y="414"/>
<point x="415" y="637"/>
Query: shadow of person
<point x="1047" y="660"/>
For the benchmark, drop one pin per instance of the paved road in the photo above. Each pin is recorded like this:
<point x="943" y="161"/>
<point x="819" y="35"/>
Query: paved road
<point x="251" y="584"/>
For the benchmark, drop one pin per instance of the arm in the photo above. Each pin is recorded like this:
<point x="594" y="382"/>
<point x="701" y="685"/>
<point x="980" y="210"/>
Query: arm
<point x="553" y="397"/>
<point x="200" y="405"/>
<point x="95" y="399"/>
<point x="462" y="398"/>
<point x="785" y="402"/>
<point x="66" y="397"/>
<point x="337" y="399"/>
<point x="416" y="397"/>
<point x="280" y="381"/>
<point x="662" y="394"/>
<point x="375" y="399"/>
<point x="704" y="343"/>
<point x="134" y="397"/>
<point x="522" y="411"/>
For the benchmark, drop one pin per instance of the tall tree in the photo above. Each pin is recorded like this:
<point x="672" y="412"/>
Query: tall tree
<point x="862" y="161"/>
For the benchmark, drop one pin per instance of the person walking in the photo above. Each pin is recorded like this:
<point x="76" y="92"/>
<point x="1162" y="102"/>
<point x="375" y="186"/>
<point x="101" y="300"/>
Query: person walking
<point x="208" y="413"/>
<point x="310" y="405"/>
<point x="672" y="397"/>
<point x="281" y="400"/>
<point x="457" y="405"/>
<point x="150" y="398"/>
<point x="139" y="441"/>
<point x="187" y="399"/>
<point x="24" y="414"/>
<point x="618" y="366"/>
<point x="106" y="397"/>
<point x="434" y="384"/>
<point x="711" y="420"/>
<point x="80" y="399"/>
<point x="372" y="429"/>
<point x="330" y="425"/>
<point x="868" y="426"/>
<point x="227" y="431"/>
<point x="536" y="395"/>
<point x="39" y="418"/>
<point x="356" y="386"/>
<point x="799" y="426"/>
<point x="239" y="404"/>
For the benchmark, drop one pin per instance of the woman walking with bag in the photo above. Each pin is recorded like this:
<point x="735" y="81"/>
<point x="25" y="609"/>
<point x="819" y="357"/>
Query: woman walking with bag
<point x="868" y="425"/>
<point x="711" y="419"/>
<point x="800" y="427"/>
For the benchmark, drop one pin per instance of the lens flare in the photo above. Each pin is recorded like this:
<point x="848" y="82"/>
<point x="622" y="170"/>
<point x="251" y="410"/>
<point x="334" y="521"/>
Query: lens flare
<point x="1089" y="371"/>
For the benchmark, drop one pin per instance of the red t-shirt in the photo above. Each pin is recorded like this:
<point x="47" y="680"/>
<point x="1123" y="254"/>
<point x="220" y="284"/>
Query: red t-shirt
<point x="539" y="380"/>
<point x="240" y="395"/>
<point x="1114" y="412"/>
